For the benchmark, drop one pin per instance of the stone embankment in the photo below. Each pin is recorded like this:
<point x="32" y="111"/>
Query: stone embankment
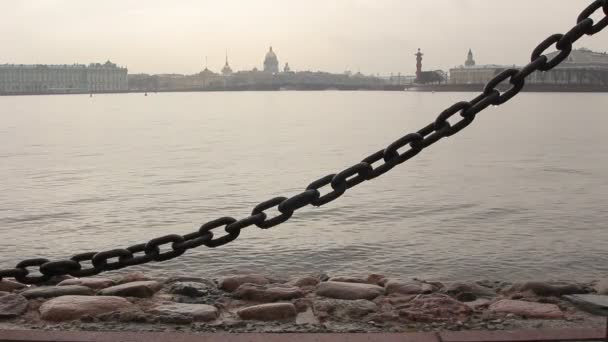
<point x="315" y="303"/>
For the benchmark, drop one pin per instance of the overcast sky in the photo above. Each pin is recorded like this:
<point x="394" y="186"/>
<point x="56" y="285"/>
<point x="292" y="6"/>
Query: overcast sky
<point x="373" y="36"/>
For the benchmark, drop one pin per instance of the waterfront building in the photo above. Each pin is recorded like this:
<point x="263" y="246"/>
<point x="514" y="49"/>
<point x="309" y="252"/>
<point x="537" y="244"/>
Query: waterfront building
<point x="471" y="73"/>
<point x="432" y="77"/>
<point x="271" y="62"/>
<point x="270" y="77"/>
<point x="254" y="79"/>
<point x="399" y="79"/>
<point x="477" y="74"/>
<point x="34" y="79"/>
<point x="206" y="79"/>
<point x="143" y="82"/>
<point x="202" y="80"/>
<point x="582" y="67"/>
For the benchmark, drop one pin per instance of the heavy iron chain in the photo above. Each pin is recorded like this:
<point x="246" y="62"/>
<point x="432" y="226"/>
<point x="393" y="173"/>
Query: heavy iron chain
<point x="385" y="160"/>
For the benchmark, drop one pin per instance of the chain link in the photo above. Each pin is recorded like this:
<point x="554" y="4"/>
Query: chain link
<point x="389" y="157"/>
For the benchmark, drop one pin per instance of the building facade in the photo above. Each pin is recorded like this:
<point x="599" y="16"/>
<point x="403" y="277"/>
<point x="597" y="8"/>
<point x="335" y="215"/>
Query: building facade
<point x="268" y="78"/>
<point x="471" y="73"/>
<point x="106" y="77"/>
<point x="582" y="68"/>
<point x="477" y="74"/>
<point x="28" y="79"/>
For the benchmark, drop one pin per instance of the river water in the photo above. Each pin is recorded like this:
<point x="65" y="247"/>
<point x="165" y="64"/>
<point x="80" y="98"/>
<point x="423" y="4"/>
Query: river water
<point x="520" y="194"/>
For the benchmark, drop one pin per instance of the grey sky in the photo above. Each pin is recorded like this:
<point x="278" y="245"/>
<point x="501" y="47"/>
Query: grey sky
<point x="374" y="36"/>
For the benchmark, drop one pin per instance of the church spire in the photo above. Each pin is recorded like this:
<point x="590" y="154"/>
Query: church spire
<point x="226" y="70"/>
<point x="470" y="60"/>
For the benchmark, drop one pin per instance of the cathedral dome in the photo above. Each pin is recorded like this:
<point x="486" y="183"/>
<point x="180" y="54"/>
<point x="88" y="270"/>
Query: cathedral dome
<point x="271" y="62"/>
<point x="270" y="54"/>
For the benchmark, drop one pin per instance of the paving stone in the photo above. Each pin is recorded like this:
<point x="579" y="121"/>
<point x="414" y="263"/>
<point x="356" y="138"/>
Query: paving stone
<point x="349" y="279"/>
<point x="595" y="304"/>
<point x="92" y="283"/>
<point x="12" y="305"/>
<point x="69" y="308"/>
<point x="267" y="293"/>
<point x="56" y="280"/>
<point x="194" y="312"/>
<point x="349" y="291"/>
<point x="131" y="277"/>
<point x="527" y="309"/>
<point x="139" y="289"/>
<point x="231" y="283"/>
<point x="57" y="291"/>
<point x="10" y="286"/>
<point x="408" y="287"/>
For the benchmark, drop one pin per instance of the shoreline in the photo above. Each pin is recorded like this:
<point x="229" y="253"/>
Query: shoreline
<point x="313" y="303"/>
<point x="474" y="88"/>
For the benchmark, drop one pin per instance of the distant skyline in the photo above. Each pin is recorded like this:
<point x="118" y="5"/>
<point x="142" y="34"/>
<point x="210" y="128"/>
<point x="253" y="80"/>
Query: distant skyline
<point x="373" y="36"/>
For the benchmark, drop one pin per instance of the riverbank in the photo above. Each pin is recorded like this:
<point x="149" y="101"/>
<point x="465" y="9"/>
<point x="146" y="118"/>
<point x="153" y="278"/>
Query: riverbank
<point x="474" y="88"/>
<point x="309" y="303"/>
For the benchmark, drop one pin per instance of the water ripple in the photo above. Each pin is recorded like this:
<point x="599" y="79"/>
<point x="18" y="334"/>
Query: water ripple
<point x="507" y="201"/>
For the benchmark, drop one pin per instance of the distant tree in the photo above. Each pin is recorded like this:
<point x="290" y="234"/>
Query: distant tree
<point x="432" y="77"/>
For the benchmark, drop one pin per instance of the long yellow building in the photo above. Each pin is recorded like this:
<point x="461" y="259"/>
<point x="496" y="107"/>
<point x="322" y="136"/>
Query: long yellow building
<point x="40" y="79"/>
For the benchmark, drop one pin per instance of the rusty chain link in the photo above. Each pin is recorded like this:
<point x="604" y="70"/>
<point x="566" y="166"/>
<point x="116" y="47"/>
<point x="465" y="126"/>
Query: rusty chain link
<point x="336" y="184"/>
